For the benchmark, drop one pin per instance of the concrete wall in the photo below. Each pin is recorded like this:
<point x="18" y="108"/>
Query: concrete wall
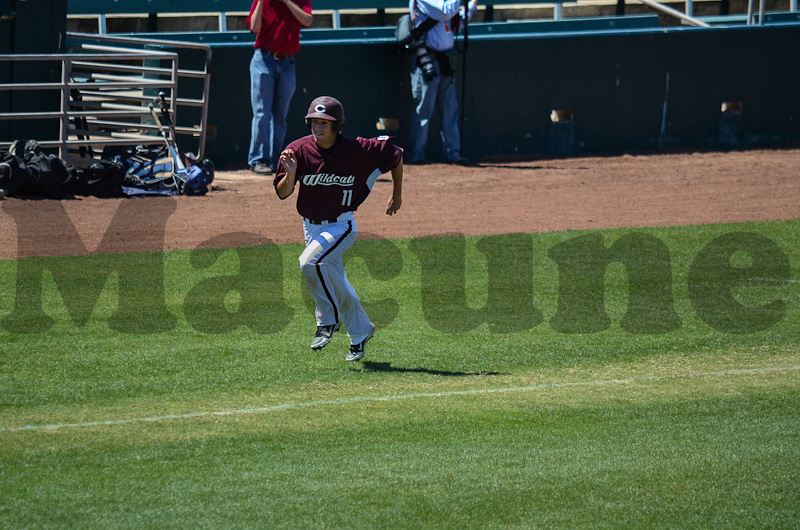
<point x="629" y="90"/>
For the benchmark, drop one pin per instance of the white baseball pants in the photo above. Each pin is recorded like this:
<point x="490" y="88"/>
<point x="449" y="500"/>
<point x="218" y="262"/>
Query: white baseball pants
<point x="326" y="278"/>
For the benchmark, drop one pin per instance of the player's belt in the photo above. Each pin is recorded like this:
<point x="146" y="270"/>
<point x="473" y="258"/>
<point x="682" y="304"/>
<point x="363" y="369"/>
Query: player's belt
<point x="279" y="56"/>
<point x="322" y="222"/>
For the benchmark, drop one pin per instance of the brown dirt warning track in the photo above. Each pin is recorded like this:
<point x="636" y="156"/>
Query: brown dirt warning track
<point x="491" y="197"/>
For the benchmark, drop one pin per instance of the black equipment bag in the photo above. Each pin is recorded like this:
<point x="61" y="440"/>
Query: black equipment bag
<point x="36" y="175"/>
<point x="102" y="179"/>
<point x="15" y="179"/>
<point x="50" y="174"/>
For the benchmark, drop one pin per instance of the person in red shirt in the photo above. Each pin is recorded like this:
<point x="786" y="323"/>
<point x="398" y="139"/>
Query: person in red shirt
<point x="335" y="174"/>
<point x="277" y="25"/>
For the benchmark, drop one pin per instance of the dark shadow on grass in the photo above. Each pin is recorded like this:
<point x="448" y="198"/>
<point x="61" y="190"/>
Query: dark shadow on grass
<point x="387" y="367"/>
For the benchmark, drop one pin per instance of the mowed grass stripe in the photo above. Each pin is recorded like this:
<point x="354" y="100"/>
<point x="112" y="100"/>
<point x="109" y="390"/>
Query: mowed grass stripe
<point x="397" y="397"/>
<point x="462" y="417"/>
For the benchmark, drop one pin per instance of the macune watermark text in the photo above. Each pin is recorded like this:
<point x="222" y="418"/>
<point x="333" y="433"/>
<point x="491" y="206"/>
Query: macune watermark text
<point x="581" y="261"/>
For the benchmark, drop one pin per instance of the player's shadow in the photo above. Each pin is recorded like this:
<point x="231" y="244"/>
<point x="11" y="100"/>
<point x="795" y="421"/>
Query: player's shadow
<point x="387" y="367"/>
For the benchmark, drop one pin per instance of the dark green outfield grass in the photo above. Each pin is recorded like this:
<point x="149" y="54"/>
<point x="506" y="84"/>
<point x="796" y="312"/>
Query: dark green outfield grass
<point x="643" y="378"/>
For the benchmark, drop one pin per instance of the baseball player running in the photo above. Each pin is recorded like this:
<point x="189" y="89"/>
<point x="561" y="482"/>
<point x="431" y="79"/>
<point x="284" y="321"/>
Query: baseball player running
<point x="335" y="174"/>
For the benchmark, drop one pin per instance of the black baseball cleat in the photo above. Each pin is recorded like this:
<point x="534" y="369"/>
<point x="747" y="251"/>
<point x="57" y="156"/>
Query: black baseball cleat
<point x="324" y="335"/>
<point x="357" y="350"/>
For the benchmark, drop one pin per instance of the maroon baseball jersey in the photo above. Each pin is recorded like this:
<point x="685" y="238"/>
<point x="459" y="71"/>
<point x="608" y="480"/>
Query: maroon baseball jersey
<point x="337" y="180"/>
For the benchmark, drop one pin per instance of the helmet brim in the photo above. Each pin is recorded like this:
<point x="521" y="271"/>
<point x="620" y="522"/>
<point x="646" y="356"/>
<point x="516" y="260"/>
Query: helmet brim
<point x="321" y="116"/>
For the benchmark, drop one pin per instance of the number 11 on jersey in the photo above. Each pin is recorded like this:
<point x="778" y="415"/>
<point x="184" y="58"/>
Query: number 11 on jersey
<point x="347" y="197"/>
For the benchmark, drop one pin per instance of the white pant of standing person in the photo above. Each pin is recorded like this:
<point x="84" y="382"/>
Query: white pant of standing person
<point x="323" y="269"/>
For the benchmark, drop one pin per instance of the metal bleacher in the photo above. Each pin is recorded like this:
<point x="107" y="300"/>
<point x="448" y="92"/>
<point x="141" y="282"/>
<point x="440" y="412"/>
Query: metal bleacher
<point x="103" y="88"/>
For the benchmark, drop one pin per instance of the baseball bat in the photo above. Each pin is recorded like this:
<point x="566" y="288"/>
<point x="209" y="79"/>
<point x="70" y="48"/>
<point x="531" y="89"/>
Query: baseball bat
<point x="162" y="104"/>
<point x="174" y="152"/>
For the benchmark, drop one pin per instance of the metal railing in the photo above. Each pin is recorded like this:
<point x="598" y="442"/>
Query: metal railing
<point x="102" y="9"/>
<point x="685" y="17"/>
<point x="88" y="96"/>
<point x="105" y="87"/>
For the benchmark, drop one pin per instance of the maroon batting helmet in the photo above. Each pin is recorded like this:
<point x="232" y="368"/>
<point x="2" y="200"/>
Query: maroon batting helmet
<point x="326" y="108"/>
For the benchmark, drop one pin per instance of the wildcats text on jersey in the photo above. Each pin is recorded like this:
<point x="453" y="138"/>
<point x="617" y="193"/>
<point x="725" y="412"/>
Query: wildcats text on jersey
<point x="328" y="179"/>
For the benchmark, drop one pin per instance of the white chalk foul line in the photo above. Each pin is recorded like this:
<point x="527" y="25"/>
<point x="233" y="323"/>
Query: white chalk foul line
<point x="396" y="397"/>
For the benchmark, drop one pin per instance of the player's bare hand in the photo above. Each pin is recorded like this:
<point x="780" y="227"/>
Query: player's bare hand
<point x="289" y="160"/>
<point x="394" y="205"/>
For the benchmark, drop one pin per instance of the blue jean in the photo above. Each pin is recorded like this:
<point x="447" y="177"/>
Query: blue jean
<point x="437" y="94"/>
<point x="272" y="85"/>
